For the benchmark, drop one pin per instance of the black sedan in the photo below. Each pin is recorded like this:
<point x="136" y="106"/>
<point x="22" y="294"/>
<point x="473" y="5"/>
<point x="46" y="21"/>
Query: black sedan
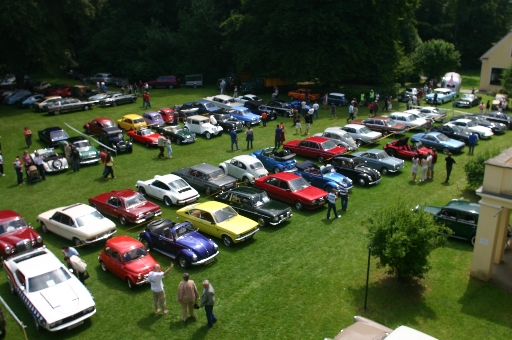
<point x="207" y="177"/>
<point x="255" y="204"/>
<point x="114" y="99"/>
<point x="454" y="132"/>
<point x="356" y="169"/>
<point x="52" y="136"/>
<point x="227" y="122"/>
<point x="467" y="100"/>
<point x="281" y="108"/>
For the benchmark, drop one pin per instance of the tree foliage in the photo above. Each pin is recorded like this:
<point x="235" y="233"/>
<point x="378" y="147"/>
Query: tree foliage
<point x="475" y="167"/>
<point x="506" y="80"/>
<point x="402" y="239"/>
<point x="434" y="58"/>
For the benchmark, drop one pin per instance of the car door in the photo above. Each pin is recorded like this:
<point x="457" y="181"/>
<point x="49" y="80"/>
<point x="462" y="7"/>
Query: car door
<point x="65" y="226"/>
<point x="112" y="206"/>
<point x="465" y="225"/>
<point x="449" y="218"/>
<point x="116" y="264"/>
<point x="202" y="220"/>
<point x="159" y="189"/>
<point x="233" y="168"/>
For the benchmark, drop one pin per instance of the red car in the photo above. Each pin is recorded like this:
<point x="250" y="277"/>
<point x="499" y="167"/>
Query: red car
<point x="62" y="90"/>
<point x="315" y="147"/>
<point x="15" y="235"/>
<point x="401" y="149"/>
<point x="127" y="205"/>
<point x="292" y="188"/>
<point x="127" y="259"/>
<point x="144" y="136"/>
<point x="95" y="126"/>
<point x="169" y="116"/>
<point x="300" y="94"/>
<point x="164" y="81"/>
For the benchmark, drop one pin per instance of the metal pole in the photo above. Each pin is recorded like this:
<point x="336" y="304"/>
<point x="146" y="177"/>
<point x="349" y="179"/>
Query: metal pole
<point x="367" y="275"/>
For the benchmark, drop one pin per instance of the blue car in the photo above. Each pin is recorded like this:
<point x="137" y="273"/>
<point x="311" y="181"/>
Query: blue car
<point x="443" y="96"/>
<point x="336" y="99"/>
<point x="29" y="102"/>
<point x="276" y="161"/>
<point x="244" y="115"/>
<point x="324" y="177"/>
<point x="439" y="141"/>
<point x="296" y="105"/>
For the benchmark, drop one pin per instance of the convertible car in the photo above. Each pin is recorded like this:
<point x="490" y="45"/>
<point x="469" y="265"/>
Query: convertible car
<point x="324" y="177"/>
<point x="88" y="153"/>
<point x="439" y="141"/>
<point x="401" y="149"/>
<point x="52" y="161"/>
<point x="143" y="136"/>
<point x="276" y="161"/>
<point x="52" y="136"/>
<point x="177" y="134"/>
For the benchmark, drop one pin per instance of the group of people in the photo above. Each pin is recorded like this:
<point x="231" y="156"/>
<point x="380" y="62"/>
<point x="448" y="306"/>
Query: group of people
<point x="342" y="193"/>
<point x="279" y="138"/>
<point x="426" y="164"/>
<point x="164" y="142"/>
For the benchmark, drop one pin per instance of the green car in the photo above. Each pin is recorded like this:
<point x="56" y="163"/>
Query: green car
<point x="88" y="153"/>
<point x="459" y="216"/>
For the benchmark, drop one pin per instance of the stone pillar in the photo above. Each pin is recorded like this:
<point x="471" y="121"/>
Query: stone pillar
<point x="502" y="225"/>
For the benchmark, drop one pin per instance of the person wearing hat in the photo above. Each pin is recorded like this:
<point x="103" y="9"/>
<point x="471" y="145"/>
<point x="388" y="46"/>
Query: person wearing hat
<point x="161" y="145"/>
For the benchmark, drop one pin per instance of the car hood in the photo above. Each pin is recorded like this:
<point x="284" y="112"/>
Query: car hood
<point x="224" y="180"/>
<point x="141" y="265"/>
<point x="238" y="224"/>
<point x="311" y="193"/>
<point x="338" y="178"/>
<point x="11" y="238"/>
<point x="200" y="244"/>
<point x="367" y="170"/>
<point x="454" y="143"/>
<point x="273" y="208"/>
<point x="144" y="208"/>
<point x="431" y="209"/>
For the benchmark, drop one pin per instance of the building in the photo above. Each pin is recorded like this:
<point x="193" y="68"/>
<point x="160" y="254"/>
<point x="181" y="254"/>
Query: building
<point x="494" y="61"/>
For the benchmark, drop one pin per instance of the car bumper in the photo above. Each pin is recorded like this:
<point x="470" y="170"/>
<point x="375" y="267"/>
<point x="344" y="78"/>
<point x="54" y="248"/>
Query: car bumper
<point x="187" y="141"/>
<point x="246" y="236"/>
<point x="206" y="260"/>
<point x="187" y="200"/>
<point x="375" y="182"/>
<point x="147" y="217"/>
<point x="100" y="238"/>
<point x="72" y="324"/>
<point x="90" y="160"/>
<point x="281" y="219"/>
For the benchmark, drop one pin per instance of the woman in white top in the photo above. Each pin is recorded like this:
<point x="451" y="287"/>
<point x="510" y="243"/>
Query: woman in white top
<point x="424" y="168"/>
<point x="414" y="169"/>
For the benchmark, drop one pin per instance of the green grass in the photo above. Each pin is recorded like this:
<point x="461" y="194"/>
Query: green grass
<point x="301" y="280"/>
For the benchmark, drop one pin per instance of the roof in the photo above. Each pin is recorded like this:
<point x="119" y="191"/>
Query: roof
<point x="167" y="178"/>
<point x="37" y="262"/>
<point x="317" y="139"/>
<point x="205" y="167"/>
<point x="197" y="117"/>
<point x="247" y="190"/>
<point x="464" y="206"/>
<point x="123" y="243"/>
<point x="8" y="215"/>
<point x="132" y="116"/>
<point x="112" y="129"/>
<point x="286" y="176"/>
<point x="76" y="139"/>
<point x="491" y="50"/>
<point x="355" y="126"/>
<point x="77" y="209"/>
<point x="336" y="93"/>
<point x="245" y="159"/>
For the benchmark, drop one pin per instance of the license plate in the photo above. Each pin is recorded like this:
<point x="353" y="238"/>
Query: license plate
<point x="210" y="261"/>
<point x="76" y="325"/>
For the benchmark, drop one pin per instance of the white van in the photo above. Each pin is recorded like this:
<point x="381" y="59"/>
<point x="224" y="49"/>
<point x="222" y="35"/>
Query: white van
<point x="452" y="81"/>
<point x="194" y="80"/>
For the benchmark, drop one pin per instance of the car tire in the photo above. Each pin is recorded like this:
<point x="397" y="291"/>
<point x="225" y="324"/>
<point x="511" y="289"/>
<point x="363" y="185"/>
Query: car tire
<point x="37" y="325"/>
<point x="11" y="288"/>
<point x="276" y="170"/>
<point x="361" y="181"/>
<point x="167" y="201"/>
<point x="321" y="159"/>
<point x="228" y="242"/>
<point x="446" y="151"/>
<point x="183" y="262"/>
<point x="208" y="135"/>
<point x="142" y="191"/>
<point x="114" y="104"/>
<point x="131" y="139"/>
<point x="391" y="152"/>
<point x="359" y="143"/>
<point x="123" y="220"/>
<point x="77" y="241"/>
<point x="145" y="242"/>
<point x="103" y="267"/>
<point x="130" y="283"/>
<point x="147" y="145"/>
<point x="44" y="228"/>
<point x="299" y="206"/>
<point x="384" y="171"/>
<point x="208" y="191"/>
<point x="247" y="124"/>
<point x="178" y="141"/>
<point x="246" y="180"/>
<point x="133" y="100"/>
<point x="86" y="107"/>
<point x="261" y="221"/>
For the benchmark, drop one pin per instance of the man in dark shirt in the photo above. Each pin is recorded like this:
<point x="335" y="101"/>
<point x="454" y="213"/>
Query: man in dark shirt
<point x="449" y="164"/>
<point x="277" y="143"/>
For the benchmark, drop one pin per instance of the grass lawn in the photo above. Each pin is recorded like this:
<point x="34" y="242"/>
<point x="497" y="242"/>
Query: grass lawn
<point x="301" y="280"/>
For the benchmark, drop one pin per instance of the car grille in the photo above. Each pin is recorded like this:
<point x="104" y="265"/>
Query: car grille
<point x="73" y="317"/>
<point x="23" y="245"/>
<point x="247" y="233"/>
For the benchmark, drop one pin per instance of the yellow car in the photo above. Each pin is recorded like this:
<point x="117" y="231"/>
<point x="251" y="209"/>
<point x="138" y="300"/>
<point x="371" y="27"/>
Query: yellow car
<point x="219" y="220"/>
<point x="131" y="122"/>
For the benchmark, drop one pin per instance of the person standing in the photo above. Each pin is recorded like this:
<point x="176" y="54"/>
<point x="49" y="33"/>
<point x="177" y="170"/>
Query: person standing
<point x="316" y="107"/>
<point x="161" y="145"/>
<point x="235" y="92"/>
<point x="264" y="118"/>
<point x="324" y="101"/>
<point x="375" y="108"/>
<point x="249" y="137"/>
<point x="2" y="173"/>
<point x="424" y="168"/>
<point x="109" y="164"/>
<point x="148" y="99"/>
<point x="277" y="141"/>
<point x="298" y="125"/>
<point x="75" y="155"/>
<point x="208" y="301"/>
<point x="385" y="107"/>
<point x="18" y="167"/>
<point x="487" y="106"/>
<point x="276" y="92"/>
<point x="481" y="107"/>
<point x="350" y="112"/>
<point x="449" y="165"/>
<point x="414" y="169"/>
<point x="222" y="85"/>
<point x="281" y="125"/>
<point x="69" y="251"/>
<point x="234" y="139"/>
<point x="372" y="96"/>
<point x="433" y="162"/>
<point x="362" y="101"/>
<point x="331" y="203"/>
<point x="473" y="138"/>
<point x="169" y="147"/>
<point x="38" y="161"/>
<point x="344" y="195"/>
<point x="155" y="278"/>
<point x="187" y="295"/>
<point x="370" y="107"/>
<point x="435" y="99"/>
<point x="28" y="136"/>
<point x="309" y="120"/>
<point x="103" y="157"/>
<point x="213" y="121"/>
<point x="303" y="107"/>
<point x="354" y="104"/>
<point x="333" y="111"/>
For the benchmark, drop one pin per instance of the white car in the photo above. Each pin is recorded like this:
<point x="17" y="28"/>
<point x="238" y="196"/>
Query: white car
<point x="200" y="125"/>
<point x="470" y="126"/>
<point x="78" y="222"/>
<point x="246" y="168"/>
<point x="247" y="97"/>
<point x="410" y="120"/>
<point x="54" y="296"/>
<point x="361" y="134"/>
<point x="340" y="137"/>
<point x="433" y="112"/>
<point x="222" y="101"/>
<point x="52" y="161"/>
<point x="171" y="189"/>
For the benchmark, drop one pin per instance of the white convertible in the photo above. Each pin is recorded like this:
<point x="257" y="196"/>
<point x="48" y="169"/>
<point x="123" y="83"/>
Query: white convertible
<point x="78" y="222"/>
<point x="245" y="168"/>
<point x="171" y="189"/>
<point x="54" y="296"/>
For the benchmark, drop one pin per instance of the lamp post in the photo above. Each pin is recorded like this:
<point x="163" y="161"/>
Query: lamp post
<point x="367" y="274"/>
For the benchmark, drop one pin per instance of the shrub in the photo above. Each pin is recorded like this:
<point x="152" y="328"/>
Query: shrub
<point x="475" y="167"/>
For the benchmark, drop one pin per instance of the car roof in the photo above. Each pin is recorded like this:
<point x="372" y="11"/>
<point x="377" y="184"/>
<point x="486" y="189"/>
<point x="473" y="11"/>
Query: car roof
<point x="123" y="243"/>
<point x="132" y="116"/>
<point x="241" y="108"/>
<point x="103" y="119"/>
<point x="167" y="178"/>
<point x="223" y="97"/>
<point x="374" y="151"/>
<point x="465" y="120"/>
<point x="247" y="190"/>
<point x="53" y="128"/>
<point x="36" y="262"/>
<point x="153" y="113"/>
<point x="197" y="117"/>
<point x="246" y="159"/>
<point x="464" y="206"/>
<point x="286" y="176"/>
<point x="355" y="126"/>
<point x="76" y="210"/>
<point x="205" y="167"/>
<point x="8" y="215"/>
<point x="122" y="193"/>
<point x="317" y="139"/>
<point x="76" y="139"/>
<point x="210" y="206"/>
<point x="112" y="129"/>
<point x="337" y="93"/>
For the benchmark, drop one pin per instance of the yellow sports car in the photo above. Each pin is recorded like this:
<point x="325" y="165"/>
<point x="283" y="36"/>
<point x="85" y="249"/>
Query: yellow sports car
<point x="219" y="220"/>
<point x="131" y="122"/>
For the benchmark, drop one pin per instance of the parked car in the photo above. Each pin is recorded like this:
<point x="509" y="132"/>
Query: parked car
<point x="95" y="126"/>
<point x="42" y="105"/>
<point x="244" y="115"/>
<point x="258" y="107"/>
<point x="194" y="80"/>
<point x="68" y="105"/>
<point x="245" y="168"/>
<point x="292" y="188"/>
<point x="400" y="148"/>
<point x="52" y="136"/>
<point x="171" y="189"/>
<point x="356" y="169"/>
<point x="164" y="81"/>
<point x="207" y="177"/>
<point x="417" y="112"/>
<point x="338" y="99"/>
<point x="78" y="222"/>
<point x="144" y="136"/>
<point x="57" y="90"/>
<point x="127" y="259"/>
<point x="276" y="161"/>
<point x="300" y="94"/>
<point x="380" y="160"/>
<point x="470" y="126"/>
<point x="113" y="138"/>
<point x="203" y="107"/>
<point x="384" y="125"/>
<point x="82" y="92"/>
<point x="255" y="204"/>
<point x="496" y="128"/>
<point x="444" y="95"/>
<point x="179" y="241"/>
<point x="153" y="119"/>
<point x="95" y="99"/>
<point x="107" y="78"/>
<point x="223" y="101"/>
<point x="55" y="298"/>
<point x="281" y="108"/>
<point x="200" y="125"/>
<point x="177" y="134"/>
<point x="219" y="220"/>
<point x="227" y="122"/>
<point x="467" y="100"/>
<point x="52" y="161"/>
<point x="247" y="97"/>
<point x="412" y="121"/>
<point x="88" y="153"/>
<point x="499" y="117"/>
<point x="116" y="98"/>
<point x="169" y="116"/>
<point x="340" y="137"/>
<point x="361" y="134"/>
<point x="31" y="100"/>
<point x="408" y="92"/>
<point x="40" y="85"/>
<point x="499" y="98"/>
<point x="439" y="141"/>
<point x="127" y="205"/>
<point x="324" y="177"/>
<point x="131" y="122"/>
<point x="315" y="147"/>
<point x="16" y="97"/>
<point x="16" y="236"/>
<point x="453" y="131"/>
<point x="433" y="112"/>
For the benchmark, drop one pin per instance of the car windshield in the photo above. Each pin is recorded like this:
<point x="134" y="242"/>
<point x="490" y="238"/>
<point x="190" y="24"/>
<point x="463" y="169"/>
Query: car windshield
<point x="209" y="105"/>
<point x="138" y="120"/>
<point x="298" y="184"/>
<point x="135" y="254"/>
<point x="216" y="174"/>
<point x="365" y="130"/>
<point x="391" y="122"/>
<point x="90" y="218"/>
<point x="184" y="230"/>
<point x="47" y="280"/>
<point x="328" y="145"/>
<point x="178" y="184"/>
<point x="135" y="200"/>
<point x="471" y="124"/>
<point x="327" y="169"/>
<point x="224" y="214"/>
<point x="358" y="162"/>
<point x="442" y="137"/>
<point x="108" y="123"/>
<point x="224" y="116"/>
<point x="116" y="135"/>
<point x="58" y="134"/>
<point x="46" y="152"/>
<point x="414" y="116"/>
<point x="82" y="144"/>
<point x="456" y="128"/>
<point x="260" y="199"/>
<point x="256" y="166"/>
<point x="12" y="225"/>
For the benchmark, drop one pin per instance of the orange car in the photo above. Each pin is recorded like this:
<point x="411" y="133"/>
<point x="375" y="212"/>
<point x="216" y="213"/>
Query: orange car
<point x="301" y="94"/>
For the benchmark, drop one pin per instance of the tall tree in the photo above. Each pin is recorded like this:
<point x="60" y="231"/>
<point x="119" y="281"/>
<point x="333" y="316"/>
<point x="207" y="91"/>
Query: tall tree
<point x="435" y="57"/>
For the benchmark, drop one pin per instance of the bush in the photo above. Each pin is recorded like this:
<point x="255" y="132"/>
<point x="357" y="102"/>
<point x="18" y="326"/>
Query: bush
<point x="475" y="167"/>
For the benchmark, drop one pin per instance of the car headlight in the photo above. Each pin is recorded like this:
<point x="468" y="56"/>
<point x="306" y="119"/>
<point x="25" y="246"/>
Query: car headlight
<point x="39" y="239"/>
<point x="215" y="246"/>
<point x="139" y="277"/>
<point x="275" y="219"/>
<point x="88" y="310"/>
<point x="55" y="324"/>
<point x="194" y="257"/>
<point x="8" y="250"/>
<point x="314" y="202"/>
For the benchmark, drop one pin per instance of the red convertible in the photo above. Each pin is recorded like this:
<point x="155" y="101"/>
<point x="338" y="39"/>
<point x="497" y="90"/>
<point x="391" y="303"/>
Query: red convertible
<point x="315" y="147"/>
<point x="292" y="188"/>
<point x="401" y="149"/>
<point x="169" y="116"/>
<point x="95" y="126"/>
<point x="144" y="136"/>
<point x="127" y="205"/>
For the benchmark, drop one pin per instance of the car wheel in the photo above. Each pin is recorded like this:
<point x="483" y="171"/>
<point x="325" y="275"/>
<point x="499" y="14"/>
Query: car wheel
<point x="130" y="283"/>
<point x="247" y="124"/>
<point x="473" y="240"/>
<point x="208" y="191"/>
<point x="298" y="205"/>
<point x="123" y="220"/>
<point x="142" y="191"/>
<point x="171" y="87"/>
<point x="208" y="135"/>
<point x="11" y="288"/>
<point x="261" y="221"/>
<point x="167" y="201"/>
<point x="86" y="107"/>
<point x="133" y="100"/>
<point x="44" y="228"/>
<point x="182" y="260"/>
<point x="321" y="159"/>
<point x="103" y="266"/>
<point x="178" y="141"/>
<point x="246" y="181"/>
<point x="195" y="86"/>
<point x="36" y="324"/>
<point x="446" y="151"/>
<point x="31" y="106"/>
<point x="384" y="171"/>
<point x="131" y="139"/>
<point x="185" y="128"/>
<point x="276" y="170"/>
<point x="362" y="181"/>
<point x="391" y="152"/>
<point x="359" y="143"/>
<point x="228" y="242"/>
<point x="3" y="333"/>
<point x="119" y="126"/>
<point x="147" y="145"/>
<point x="77" y="241"/>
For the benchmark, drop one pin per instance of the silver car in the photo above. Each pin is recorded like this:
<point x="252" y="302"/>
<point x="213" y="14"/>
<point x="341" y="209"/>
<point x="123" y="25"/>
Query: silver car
<point x="340" y="137"/>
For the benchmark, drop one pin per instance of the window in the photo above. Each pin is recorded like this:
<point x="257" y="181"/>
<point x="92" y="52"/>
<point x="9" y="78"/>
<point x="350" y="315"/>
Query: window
<point x="273" y="181"/>
<point x="467" y="218"/>
<point x="495" y="76"/>
<point x="448" y="214"/>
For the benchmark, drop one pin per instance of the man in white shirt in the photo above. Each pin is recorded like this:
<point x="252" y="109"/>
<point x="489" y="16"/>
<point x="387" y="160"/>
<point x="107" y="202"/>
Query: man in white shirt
<point x="155" y="278"/>
<point x="315" y="109"/>
<point x="213" y="121"/>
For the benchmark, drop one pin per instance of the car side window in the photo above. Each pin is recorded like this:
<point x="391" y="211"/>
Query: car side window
<point x="465" y="217"/>
<point x="108" y="251"/>
<point x="21" y="277"/>
<point x="114" y="201"/>
<point x="304" y="144"/>
<point x="116" y="256"/>
<point x="273" y="181"/>
<point x="207" y="217"/>
<point x="65" y="219"/>
<point x="284" y="185"/>
<point x="448" y="214"/>
<point x="235" y="198"/>
<point x="56" y="216"/>
<point x="313" y="145"/>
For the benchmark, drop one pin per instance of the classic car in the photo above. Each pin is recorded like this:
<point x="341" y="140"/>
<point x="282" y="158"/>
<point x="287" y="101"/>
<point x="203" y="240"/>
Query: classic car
<point x="144" y="136"/>
<point x="77" y="222"/>
<point x="408" y="92"/>
<point x="384" y="125"/>
<point x="52" y="161"/>
<point x="180" y="241"/>
<point x="95" y="126"/>
<point x="177" y="134"/>
<point x="171" y="189"/>
<point x="380" y="160"/>
<point x="336" y="99"/>
<point x="52" y="136"/>
<point x="113" y="137"/>
<point x="245" y="168"/>
<point x="169" y="116"/>
<point x="128" y="259"/>
<point x="58" y="90"/>
<point x="292" y="188"/>
<point x="444" y="95"/>
<point x="247" y="97"/>
<point x="433" y="112"/>
<point x="324" y="177"/>
<point x="153" y="119"/>
<point x="258" y="108"/>
<point x="127" y="205"/>
<point x="315" y="147"/>
<point x="499" y="99"/>
<point x="201" y="125"/>
<point x="417" y="112"/>
<point x="164" y="81"/>
<point x="68" y="105"/>
<point x="95" y="99"/>
<point x="41" y="106"/>
<point x="497" y="128"/>
<point x="276" y="161"/>
<point x="411" y="120"/>
<point x="106" y="78"/>
<point x="244" y="115"/>
<point x="31" y="100"/>
<point x="470" y="126"/>
<point x="439" y="141"/>
<point x="203" y="106"/>
<point x="339" y="137"/>
<point x="360" y="133"/>
<point x="467" y="100"/>
<point x="16" y="236"/>
<point x="116" y="98"/>
<point x="40" y="85"/>
<point x="297" y="104"/>
<point x="207" y="177"/>
<point x="223" y="101"/>
<point x="281" y="108"/>
<point x="219" y="220"/>
<point x="82" y="92"/>
<point x="499" y="117"/>
<point x="400" y="148"/>
<point x="88" y="153"/>
<point x="300" y="94"/>
<point x="131" y="122"/>
<point x="356" y="169"/>
<point x="255" y="204"/>
<point x="453" y="131"/>
<point x="55" y="298"/>
<point x="227" y="122"/>
<point x="460" y="216"/>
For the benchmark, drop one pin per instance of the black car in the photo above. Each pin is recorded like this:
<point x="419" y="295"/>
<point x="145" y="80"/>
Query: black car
<point x="203" y="106"/>
<point x="499" y="117"/>
<point x="207" y="177"/>
<point x="258" y="107"/>
<point x="454" y="132"/>
<point x="113" y="137"/>
<point x="227" y="122"/>
<point x="467" y="100"/>
<point x="255" y="204"/>
<point x="115" y="98"/>
<point x="281" y="108"/>
<point x="355" y="168"/>
<point x="52" y="136"/>
<point x="177" y="134"/>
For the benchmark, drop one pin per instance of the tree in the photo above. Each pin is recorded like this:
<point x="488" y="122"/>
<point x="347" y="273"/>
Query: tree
<point x="434" y="58"/>
<point x="403" y="239"/>
<point x="506" y="80"/>
<point x="475" y="167"/>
